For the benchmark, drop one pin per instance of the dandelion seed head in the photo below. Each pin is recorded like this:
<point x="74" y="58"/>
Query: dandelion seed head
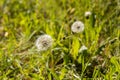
<point x="88" y="13"/>
<point x="43" y="42"/>
<point x="83" y="48"/>
<point x="77" y="27"/>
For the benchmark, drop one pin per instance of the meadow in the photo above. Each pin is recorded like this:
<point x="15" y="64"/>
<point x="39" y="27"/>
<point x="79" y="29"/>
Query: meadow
<point x="91" y="54"/>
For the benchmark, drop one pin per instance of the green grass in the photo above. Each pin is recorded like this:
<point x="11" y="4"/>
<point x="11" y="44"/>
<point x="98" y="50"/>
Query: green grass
<point x="22" y="21"/>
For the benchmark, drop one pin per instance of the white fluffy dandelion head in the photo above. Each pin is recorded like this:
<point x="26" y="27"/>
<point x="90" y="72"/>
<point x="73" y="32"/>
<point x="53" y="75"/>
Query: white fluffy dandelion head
<point x="83" y="48"/>
<point x="77" y="27"/>
<point x="43" y="42"/>
<point x="88" y="13"/>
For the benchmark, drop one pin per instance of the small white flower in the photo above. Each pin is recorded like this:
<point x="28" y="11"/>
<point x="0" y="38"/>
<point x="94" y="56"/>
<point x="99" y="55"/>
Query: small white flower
<point x="77" y="27"/>
<point x="88" y="13"/>
<point x="83" y="48"/>
<point x="43" y="42"/>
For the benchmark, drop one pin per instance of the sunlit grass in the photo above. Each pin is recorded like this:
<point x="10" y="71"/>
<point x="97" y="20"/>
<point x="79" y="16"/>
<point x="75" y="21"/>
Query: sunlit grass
<point x="23" y="21"/>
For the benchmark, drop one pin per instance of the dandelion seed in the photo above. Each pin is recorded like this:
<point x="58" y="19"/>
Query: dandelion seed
<point x="43" y="42"/>
<point x="77" y="27"/>
<point x="87" y="14"/>
<point x="83" y="48"/>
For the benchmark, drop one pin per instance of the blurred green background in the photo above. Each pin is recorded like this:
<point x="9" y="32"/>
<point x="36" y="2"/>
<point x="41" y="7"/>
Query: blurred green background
<point x="22" y="21"/>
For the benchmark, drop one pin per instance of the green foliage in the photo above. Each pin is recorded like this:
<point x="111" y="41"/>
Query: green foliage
<point x="22" y="21"/>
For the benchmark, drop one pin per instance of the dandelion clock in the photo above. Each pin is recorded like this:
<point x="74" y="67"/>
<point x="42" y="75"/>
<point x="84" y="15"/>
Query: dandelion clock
<point x="43" y="42"/>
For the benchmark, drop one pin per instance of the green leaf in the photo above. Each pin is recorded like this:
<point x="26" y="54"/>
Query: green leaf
<point x="75" y="47"/>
